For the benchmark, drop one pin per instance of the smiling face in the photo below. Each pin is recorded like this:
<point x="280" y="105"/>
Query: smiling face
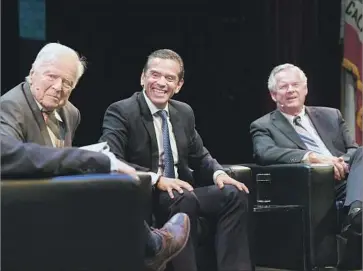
<point x="290" y="91"/>
<point x="52" y="81"/>
<point x="161" y="80"/>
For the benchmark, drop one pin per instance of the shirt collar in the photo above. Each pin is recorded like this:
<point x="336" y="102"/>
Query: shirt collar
<point x="57" y="116"/>
<point x="290" y="118"/>
<point x="152" y="107"/>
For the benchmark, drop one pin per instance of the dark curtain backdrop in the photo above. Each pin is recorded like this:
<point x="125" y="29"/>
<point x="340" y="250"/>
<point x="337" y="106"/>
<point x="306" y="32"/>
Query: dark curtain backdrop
<point x="229" y="48"/>
<point x="9" y="44"/>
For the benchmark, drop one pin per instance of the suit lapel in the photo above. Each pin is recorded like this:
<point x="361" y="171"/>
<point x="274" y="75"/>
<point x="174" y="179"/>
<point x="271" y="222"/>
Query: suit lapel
<point x="37" y="115"/>
<point x="321" y="127"/>
<point x="286" y="128"/>
<point x="177" y="129"/>
<point x="148" y="121"/>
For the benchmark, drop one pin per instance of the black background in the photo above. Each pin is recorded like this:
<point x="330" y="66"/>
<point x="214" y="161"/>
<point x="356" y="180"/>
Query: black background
<point x="229" y="48"/>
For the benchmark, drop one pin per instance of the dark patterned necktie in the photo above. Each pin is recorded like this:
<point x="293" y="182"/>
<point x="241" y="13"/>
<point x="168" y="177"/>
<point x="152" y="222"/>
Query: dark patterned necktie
<point x="55" y="126"/>
<point x="305" y="136"/>
<point x="168" y="154"/>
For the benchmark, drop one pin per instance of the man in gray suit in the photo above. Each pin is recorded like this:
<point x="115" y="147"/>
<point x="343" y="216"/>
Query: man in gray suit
<point x="295" y="133"/>
<point x="38" y="109"/>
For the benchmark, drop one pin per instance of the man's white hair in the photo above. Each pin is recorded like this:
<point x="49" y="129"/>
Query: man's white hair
<point x="271" y="83"/>
<point x="53" y="51"/>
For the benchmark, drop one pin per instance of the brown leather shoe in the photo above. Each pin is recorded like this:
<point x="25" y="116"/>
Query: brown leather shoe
<point x="174" y="235"/>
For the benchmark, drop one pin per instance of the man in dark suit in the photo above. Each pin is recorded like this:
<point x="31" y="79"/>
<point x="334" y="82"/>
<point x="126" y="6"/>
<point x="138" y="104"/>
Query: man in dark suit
<point x="156" y="134"/>
<point x="20" y="159"/>
<point x="295" y="133"/>
<point x="38" y="109"/>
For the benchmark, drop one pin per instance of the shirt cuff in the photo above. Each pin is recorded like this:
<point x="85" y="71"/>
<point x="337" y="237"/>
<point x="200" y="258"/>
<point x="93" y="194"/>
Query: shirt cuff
<point x="114" y="162"/>
<point x="154" y="177"/>
<point x="217" y="173"/>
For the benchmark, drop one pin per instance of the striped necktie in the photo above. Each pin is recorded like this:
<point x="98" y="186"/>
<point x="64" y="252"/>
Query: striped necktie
<point x="55" y="126"/>
<point x="168" y="154"/>
<point x="305" y="135"/>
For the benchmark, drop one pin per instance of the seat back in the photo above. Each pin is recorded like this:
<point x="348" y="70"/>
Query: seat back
<point x="89" y="222"/>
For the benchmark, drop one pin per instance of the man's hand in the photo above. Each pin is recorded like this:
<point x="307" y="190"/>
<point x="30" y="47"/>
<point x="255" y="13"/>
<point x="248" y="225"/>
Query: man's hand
<point x="223" y="179"/>
<point x="169" y="184"/>
<point x="346" y="165"/>
<point x="340" y="167"/>
<point x="122" y="167"/>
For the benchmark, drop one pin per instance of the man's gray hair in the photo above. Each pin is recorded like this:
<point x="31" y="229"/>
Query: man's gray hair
<point x="54" y="50"/>
<point x="271" y="83"/>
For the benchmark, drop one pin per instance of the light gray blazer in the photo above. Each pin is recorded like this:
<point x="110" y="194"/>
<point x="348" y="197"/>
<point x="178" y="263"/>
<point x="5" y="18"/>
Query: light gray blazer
<point x="21" y="117"/>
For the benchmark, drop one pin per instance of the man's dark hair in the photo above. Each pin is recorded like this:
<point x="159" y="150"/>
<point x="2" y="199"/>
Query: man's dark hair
<point x="166" y="54"/>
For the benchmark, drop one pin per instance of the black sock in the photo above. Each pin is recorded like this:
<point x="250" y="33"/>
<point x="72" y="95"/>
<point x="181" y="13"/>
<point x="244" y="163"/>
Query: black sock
<point x="153" y="242"/>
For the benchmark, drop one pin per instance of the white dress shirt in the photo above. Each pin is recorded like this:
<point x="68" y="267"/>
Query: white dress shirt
<point x="157" y="120"/>
<point x="308" y="125"/>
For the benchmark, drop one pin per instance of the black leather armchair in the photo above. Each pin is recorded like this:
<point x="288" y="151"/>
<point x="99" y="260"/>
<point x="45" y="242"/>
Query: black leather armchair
<point x="276" y="236"/>
<point x="85" y="222"/>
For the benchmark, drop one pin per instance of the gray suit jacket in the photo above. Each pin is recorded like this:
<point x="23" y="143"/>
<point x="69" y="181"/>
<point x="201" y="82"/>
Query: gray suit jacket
<point x="28" y="160"/>
<point x="22" y="119"/>
<point x="275" y="140"/>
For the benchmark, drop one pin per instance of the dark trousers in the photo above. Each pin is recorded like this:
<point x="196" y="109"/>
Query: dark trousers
<point x="352" y="189"/>
<point x="151" y="242"/>
<point x="227" y="207"/>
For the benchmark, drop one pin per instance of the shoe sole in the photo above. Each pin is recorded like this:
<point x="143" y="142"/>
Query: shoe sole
<point x="163" y="265"/>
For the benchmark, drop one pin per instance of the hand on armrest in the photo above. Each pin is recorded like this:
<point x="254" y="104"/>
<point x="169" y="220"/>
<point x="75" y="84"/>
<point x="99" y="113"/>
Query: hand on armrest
<point x="340" y="167"/>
